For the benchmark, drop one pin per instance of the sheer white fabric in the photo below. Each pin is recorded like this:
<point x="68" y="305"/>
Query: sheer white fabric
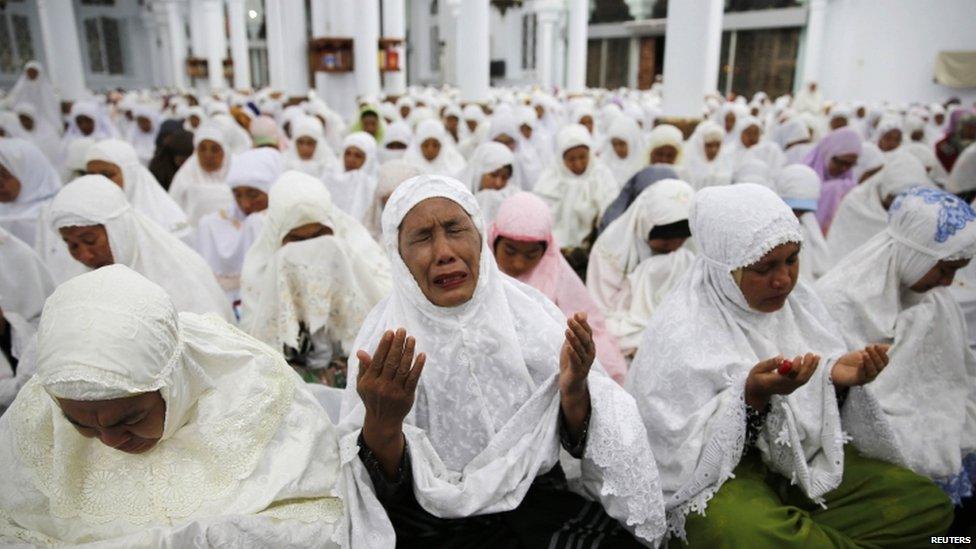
<point x="487" y="158"/>
<point x="623" y="245"/>
<point x="861" y="214"/>
<point x="323" y="161"/>
<point x="322" y="283"/>
<point x="390" y="175"/>
<point x="38" y="93"/>
<point x="484" y="423"/>
<point x="625" y="129"/>
<point x="39" y="182"/>
<point x="576" y="201"/>
<point x="799" y="186"/>
<point x="44" y="135"/>
<point x="352" y="190"/>
<point x="139" y="243"/>
<point x="199" y="192"/>
<point x="689" y="373"/>
<point x="921" y="411"/>
<point x="141" y="188"/>
<point x="448" y="162"/>
<point x="697" y="169"/>
<point x="246" y="453"/>
<point x="299" y="199"/>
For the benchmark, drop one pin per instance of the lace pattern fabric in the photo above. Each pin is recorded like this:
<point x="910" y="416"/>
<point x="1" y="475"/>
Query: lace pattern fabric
<point x="485" y="420"/>
<point x="235" y="415"/>
<point x="689" y="374"/>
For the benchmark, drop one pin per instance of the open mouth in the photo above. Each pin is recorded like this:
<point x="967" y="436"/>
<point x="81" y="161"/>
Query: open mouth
<point x="449" y="281"/>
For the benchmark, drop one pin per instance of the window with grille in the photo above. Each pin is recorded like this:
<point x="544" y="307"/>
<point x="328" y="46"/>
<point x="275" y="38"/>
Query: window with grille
<point x="16" y="46"/>
<point x="103" y="36"/>
<point x="529" y="26"/>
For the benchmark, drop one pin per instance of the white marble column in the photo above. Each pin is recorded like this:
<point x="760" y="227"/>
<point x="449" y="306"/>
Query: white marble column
<point x="547" y="15"/>
<point x="579" y="15"/>
<point x="365" y="48"/>
<point x="813" y="44"/>
<point x="59" y="34"/>
<point x="472" y="63"/>
<point x="213" y="24"/>
<point x="237" y="17"/>
<point x="177" y="42"/>
<point x="287" y="46"/>
<point x="395" y="26"/>
<point x="692" y="42"/>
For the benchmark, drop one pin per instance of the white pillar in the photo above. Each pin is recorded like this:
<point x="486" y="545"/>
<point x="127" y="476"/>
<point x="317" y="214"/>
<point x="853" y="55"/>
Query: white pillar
<point x="287" y="46"/>
<point x="213" y="24"/>
<point x="691" y="49"/>
<point x="473" y="66"/>
<point x="814" y="40"/>
<point x="395" y="26"/>
<point x="237" y="17"/>
<point x="59" y="35"/>
<point x="365" y="48"/>
<point x="547" y="14"/>
<point x="177" y="43"/>
<point x="579" y="14"/>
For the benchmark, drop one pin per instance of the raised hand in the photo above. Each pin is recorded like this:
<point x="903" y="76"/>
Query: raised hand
<point x="575" y="359"/>
<point x="860" y="367"/>
<point x="387" y="385"/>
<point x="764" y="380"/>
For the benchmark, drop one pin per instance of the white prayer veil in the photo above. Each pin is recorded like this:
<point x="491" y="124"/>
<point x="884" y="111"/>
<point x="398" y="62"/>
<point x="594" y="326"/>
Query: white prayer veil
<point x="921" y="411"/>
<point x="139" y="243"/>
<point x="799" y="186"/>
<point x="39" y="182"/>
<point x="352" y="190"/>
<point x="197" y="191"/>
<point x="689" y="373"/>
<point x="140" y="186"/>
<point x="238" y="430"/>
<point x="484" y="422"/>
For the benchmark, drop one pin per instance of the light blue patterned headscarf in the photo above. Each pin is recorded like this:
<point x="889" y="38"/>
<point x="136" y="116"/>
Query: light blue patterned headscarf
<point x="934" y="224"/>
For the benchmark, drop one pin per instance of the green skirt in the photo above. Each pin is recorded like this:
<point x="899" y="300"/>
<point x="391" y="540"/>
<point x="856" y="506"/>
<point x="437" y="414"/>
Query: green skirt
<point x="876" y="505"/>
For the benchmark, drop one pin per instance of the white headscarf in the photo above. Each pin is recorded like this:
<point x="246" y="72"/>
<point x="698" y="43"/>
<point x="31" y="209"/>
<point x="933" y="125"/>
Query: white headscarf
<point x="397" y="132"/>
<point x="238" y="441"/>
<point x="139" y="243"/>
<point x="480" y="133"/>
<point x="861" y="214"/>
<point x="487" y="158"/>
<point x="144" y="142"/>
<point x="353" y="190"/>
<point x="799" y="186"/>
<point x="46" y="137"/>
<point x="24" y="285"/>
<point x="528" y="163"/>
<point x="449" y="161"/>
<point x="39" y="182"/>
<point x="921" y="411"/>
<point x="298" y="199"/>
<point x="622" y="246"/>
<point x="324" y="284"/>
<point x="140" y="186"/>
<point x="666" y="135"/>
<point x="484" y="423"/>
<point x="696" y="168"/>
<point x="39" y="93"/>
<point x="224" y="237"/>
<point x="870" y="158"/>
<point x="963" y="176"/>
<point x="90" y="109"/>
<point x="197" y="191"/>
<point x="689" y="373"/>
<point x="323" y="161"/>
<point x="391" y="174"/>
<point x="576" y="201"/>
<point x="624" y="277"/>
<point x="625" y="129"/>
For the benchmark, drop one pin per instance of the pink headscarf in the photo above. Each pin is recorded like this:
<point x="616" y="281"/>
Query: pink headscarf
<point x="526" y="218"/>
<point x="264" y="130"/>
<point x="836" y="143"/>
